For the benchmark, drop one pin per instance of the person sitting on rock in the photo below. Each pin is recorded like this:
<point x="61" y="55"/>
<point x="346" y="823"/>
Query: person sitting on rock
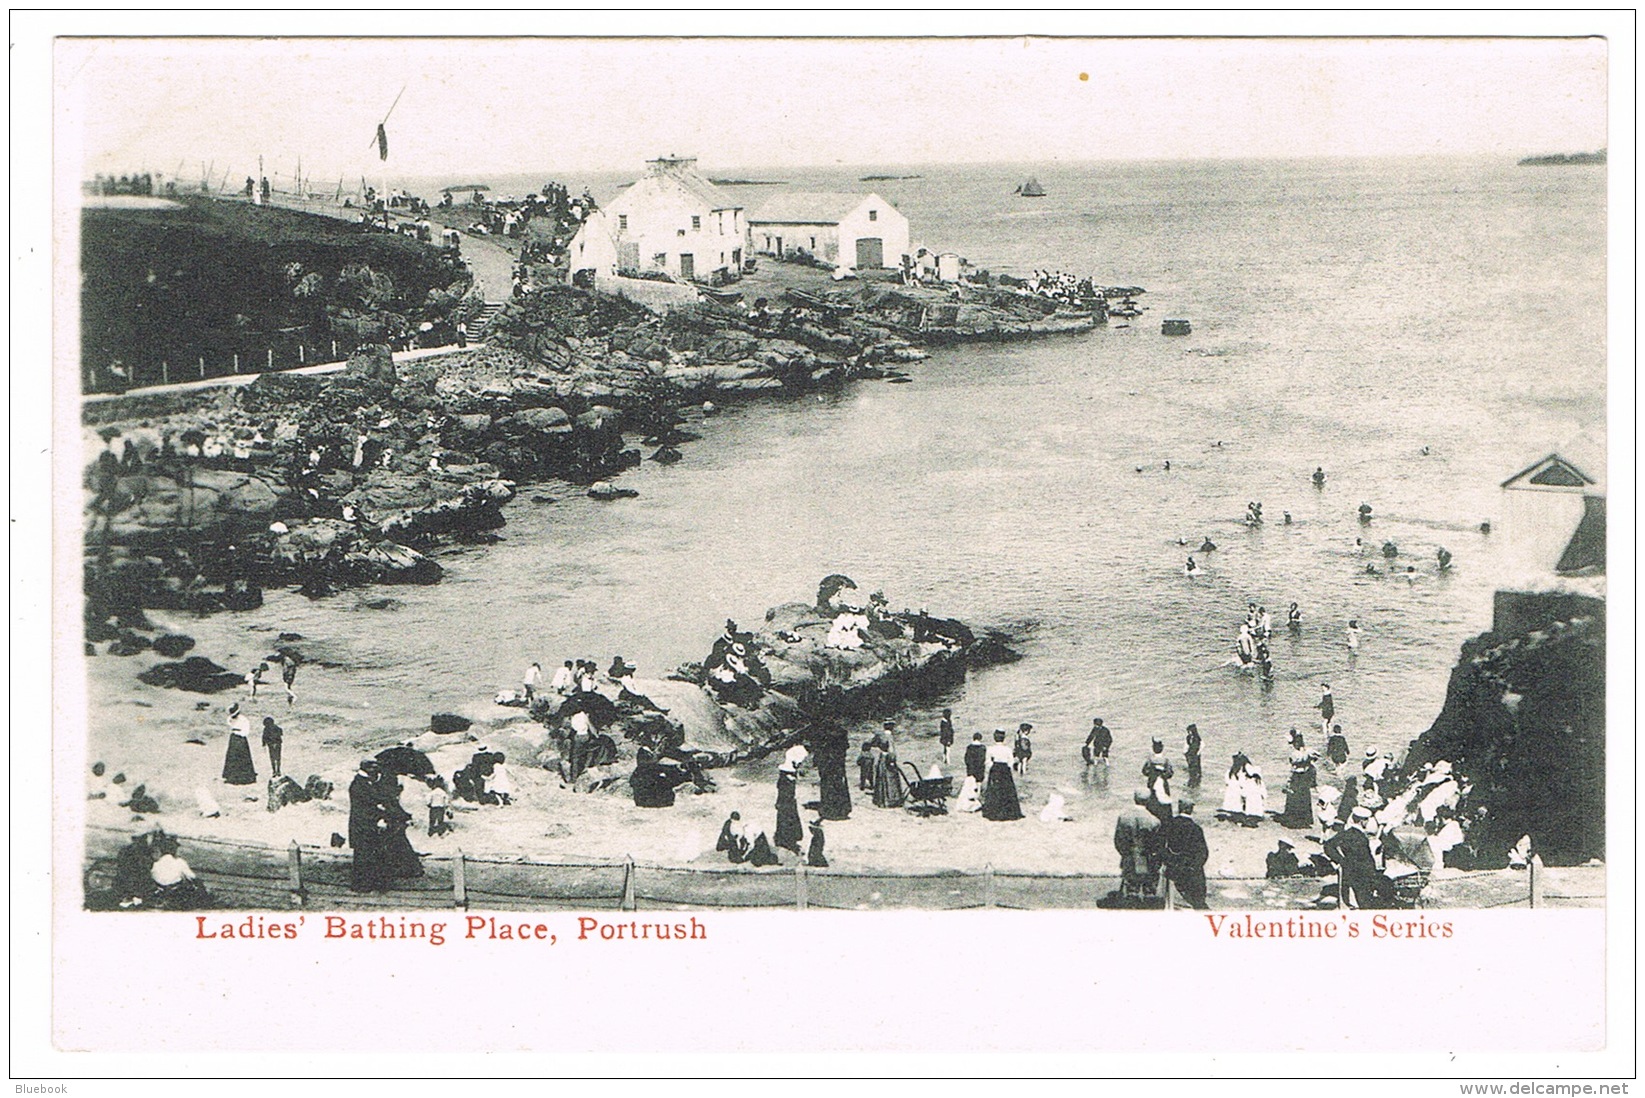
<point x="849" y="631"/>
<point x="735" y="673"/>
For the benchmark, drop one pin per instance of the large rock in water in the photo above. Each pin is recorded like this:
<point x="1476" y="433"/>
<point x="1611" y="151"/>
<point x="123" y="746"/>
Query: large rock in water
<point x="474" y="508"/>
<point x="807" y="683"/>
<point x="388" y="562"/>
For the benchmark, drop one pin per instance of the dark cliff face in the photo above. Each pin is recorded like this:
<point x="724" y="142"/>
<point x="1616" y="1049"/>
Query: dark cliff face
<point x="1524" y="722"/>
<point x="209" y="280"/>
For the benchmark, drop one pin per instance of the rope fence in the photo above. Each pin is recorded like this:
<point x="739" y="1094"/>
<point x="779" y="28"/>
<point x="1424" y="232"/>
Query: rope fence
<point x="253" y="876"/>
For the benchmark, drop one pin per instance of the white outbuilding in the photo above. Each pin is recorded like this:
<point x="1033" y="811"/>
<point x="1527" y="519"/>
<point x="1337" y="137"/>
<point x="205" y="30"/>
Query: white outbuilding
<point x="859" y="231"/>
<point x="1554" y="520"/>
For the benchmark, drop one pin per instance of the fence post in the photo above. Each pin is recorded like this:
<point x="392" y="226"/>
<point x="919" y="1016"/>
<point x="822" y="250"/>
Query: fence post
<point x="627" y="902"/>
<point x="1534" y="868"/>
<point x="236" y="361"/>
<point x="988" y="885"/>
<point x="801" y="899"/>
<point x="202" y="367"/>
<point x="271" y="358"/>
<point x="300" y="359"/>
<point x="165" y="373"/>
<point x="294" y="873"/>
<point x="459" y="882"/>
<point x="334" y="350"/>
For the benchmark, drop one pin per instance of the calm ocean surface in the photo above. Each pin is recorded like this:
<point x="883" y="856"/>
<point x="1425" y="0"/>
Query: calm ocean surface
<point x="1345" y="313"/>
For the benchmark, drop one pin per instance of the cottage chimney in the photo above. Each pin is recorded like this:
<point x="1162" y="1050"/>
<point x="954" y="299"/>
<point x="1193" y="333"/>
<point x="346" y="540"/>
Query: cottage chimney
<point x="672" y="165"/>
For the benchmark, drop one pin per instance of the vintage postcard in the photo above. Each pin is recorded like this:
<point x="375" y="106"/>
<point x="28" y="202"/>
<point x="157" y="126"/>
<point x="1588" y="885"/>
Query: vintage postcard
<point x="589" y="520"/>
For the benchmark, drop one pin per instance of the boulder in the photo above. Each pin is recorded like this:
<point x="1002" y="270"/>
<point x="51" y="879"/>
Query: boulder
<point x="173" y="646"/>
<point x="531" y="394"/>
<point x="388" y="562"/>
<point x="371" y="362"/>
<point x="211" y="501"/>
<point x="472" y="425"/>
<point x="195" y="674"/>
<point x="475" y="508"/>
<point x="445" y="724"/>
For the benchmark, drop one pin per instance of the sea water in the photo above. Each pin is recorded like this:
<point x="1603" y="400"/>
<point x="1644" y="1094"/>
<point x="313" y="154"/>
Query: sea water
<point x="1421" y="328"/>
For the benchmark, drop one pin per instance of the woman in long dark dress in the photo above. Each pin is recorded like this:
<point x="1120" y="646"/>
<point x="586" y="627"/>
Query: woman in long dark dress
<point x="999" y="794"/>
<point x="1299" y="791"/>
<point x="238" y="768"/>
<point x="366" y="830"/>
<point x="890" y="786"/>
<point x="399" y="858"/>
<point x="789" y="831"/>
<point x="829" y="747"/>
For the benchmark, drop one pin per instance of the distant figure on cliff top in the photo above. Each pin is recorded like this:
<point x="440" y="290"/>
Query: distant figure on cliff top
<point x="1444" y="556"/>
<point x="533" y="676"/>
<point x="565" y="679"/>
<point x="1190" y="569"/>
<point x="1319" y="477"/>
<point x="1364" y="512"/>
<point x="1293" y="619"/>
<point x="1208" y="546"/>
<point x="1353" y="635"/>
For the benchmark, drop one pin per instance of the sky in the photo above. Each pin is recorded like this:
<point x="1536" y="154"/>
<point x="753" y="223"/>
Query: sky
<point x="479" y="106"/>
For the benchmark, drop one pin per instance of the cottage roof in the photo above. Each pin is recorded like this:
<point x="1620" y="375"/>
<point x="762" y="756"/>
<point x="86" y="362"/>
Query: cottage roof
<point x="683" y="179"/>
<point x="1552" y="471"/>
<point x="810" y="207"/>
<point x="1585" y="554"/>
<point x="704" y="191"/>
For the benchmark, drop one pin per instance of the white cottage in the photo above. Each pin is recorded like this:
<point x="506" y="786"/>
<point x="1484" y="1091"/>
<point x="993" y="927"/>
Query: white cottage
<point x="861" y="231"/>
<point x="1553" y="522"/>
<point x="671" y="219"/>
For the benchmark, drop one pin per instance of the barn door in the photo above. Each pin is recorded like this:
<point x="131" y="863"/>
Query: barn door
<point x="688" y="266"/>
<point x="870" y="253"/>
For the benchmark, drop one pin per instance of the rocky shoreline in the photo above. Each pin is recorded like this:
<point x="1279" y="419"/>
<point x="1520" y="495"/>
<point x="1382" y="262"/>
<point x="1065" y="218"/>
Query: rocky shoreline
<point x="199" y="501"/>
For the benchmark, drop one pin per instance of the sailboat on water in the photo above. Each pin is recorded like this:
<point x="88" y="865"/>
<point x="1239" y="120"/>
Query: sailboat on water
<point x="1030" y="188"/>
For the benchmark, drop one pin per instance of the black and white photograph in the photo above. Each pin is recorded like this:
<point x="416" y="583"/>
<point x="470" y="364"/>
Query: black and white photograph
<point x="629" y="482"/>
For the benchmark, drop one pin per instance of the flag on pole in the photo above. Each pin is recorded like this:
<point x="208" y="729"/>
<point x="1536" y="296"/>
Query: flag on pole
<point x="382" y="142"/>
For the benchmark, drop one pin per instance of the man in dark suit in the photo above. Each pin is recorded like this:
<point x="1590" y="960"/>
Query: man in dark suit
<point x="1363" y="884"/>
<point x="1186" y="854"/>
